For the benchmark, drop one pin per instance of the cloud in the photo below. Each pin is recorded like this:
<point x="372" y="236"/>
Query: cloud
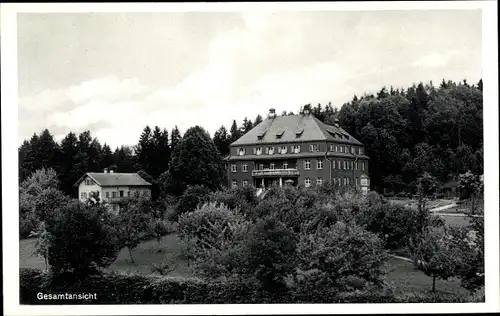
<point x="436" y="59"/>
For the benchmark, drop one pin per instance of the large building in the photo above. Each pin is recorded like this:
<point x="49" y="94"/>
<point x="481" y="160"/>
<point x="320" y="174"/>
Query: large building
<point x="111" y="187"/>
<point x="297" y="150"/>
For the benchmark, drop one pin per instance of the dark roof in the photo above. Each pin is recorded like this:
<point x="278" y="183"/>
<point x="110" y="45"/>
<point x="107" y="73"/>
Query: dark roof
<point x="115" y="179"/>
<point x="294" y="128"/>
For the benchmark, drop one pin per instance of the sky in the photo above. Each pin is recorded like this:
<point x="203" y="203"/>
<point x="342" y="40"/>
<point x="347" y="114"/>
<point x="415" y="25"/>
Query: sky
<point x="115" y="73"/>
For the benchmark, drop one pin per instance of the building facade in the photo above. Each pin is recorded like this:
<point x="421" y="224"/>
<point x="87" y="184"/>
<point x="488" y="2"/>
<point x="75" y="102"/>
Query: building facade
<point x="297" y="150"/>
<point x="111" y="187"/>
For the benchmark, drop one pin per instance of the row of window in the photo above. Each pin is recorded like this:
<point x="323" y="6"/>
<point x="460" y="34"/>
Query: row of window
<point x="308" y="182"/>
<point x="296" y="149"/>
<point x="337" y="164"/>
<point x="114" y="194"/>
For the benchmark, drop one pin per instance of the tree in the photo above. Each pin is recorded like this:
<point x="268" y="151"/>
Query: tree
<point x="258" y="120"/>
<point x="81" y="240"/>
<point x="196" y="161"/>
<point x="131" y="223"/>
<point x="175" y="138"/>
<point x="222" y="141"/>
<point x="426" y="188"/>
<point x="235" y="132"/>
<point x="190" y="199"/>
<point x="160" y="228"/>
<point x="145" y="149"/>
<point x="331" y="257"/>
<point x="434" y="255"/>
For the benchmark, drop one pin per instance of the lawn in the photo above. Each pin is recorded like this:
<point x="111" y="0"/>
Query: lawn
<point x="401" y="274"/>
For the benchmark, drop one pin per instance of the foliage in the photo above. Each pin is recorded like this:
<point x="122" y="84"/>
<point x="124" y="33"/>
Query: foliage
<point x="130" y="225"/>
<point x="243" y="198"/>
<point x="195" y="161"/>
<point x="81" y="241"/>
<point x="158" y="228"/>
<point x="192" y="197"/>
<point x="433" y="254"/>
<point x="335" y="258"/>
<point x="212" y="236"/>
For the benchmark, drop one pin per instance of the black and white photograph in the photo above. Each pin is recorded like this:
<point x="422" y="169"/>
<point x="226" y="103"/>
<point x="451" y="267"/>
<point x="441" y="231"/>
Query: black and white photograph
<point x="213" y="158"/>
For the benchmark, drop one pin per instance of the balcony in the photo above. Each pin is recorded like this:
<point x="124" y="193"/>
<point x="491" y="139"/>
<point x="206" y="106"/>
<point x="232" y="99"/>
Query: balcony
<point x="275" y="173"/>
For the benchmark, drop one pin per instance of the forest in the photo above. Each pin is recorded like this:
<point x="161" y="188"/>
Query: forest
<point x="406" y="132"/>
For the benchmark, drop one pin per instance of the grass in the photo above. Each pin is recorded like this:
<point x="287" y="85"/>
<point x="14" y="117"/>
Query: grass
<point x="412" y="203"/>
<point x="406" y="278"/>
<point x="401" y="274"/>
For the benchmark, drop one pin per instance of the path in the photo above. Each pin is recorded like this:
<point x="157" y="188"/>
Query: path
<point x="445" y="207"/>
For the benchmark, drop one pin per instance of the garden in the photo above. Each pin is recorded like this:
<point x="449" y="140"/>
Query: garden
<point x="294" y="245"/>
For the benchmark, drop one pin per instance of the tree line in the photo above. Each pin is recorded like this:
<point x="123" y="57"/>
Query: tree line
<point x="405" y="132"/>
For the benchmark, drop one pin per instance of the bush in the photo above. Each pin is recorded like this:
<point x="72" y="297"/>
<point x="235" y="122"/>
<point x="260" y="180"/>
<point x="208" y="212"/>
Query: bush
<point x="331" y="260"/>
<point x="190" y="200"/>
<point x="242" y="198"/>
<point x="81" y="240"/>
<point x="127" y="289"/>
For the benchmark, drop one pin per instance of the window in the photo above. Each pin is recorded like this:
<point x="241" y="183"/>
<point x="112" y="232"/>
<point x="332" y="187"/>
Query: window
<point x="356" y="165"/>
<point x="319" y="164"/>
<point x="357" y="181"/>
<point x="296" y="149"/>
<point x="234" y="168"/>
<point x="362" y="165"/>
<point x="353" y="150"/>
<point x="348" y="180"/>
<point x="113" y="194"/>
<point x="319" y="181"/>
<point x="258" y="151"/>
<point x="345" y="164"/>
<point x="283" y="149"/>
<point x="340" y="165"/>
<point x="261" y="166"/>
<point x="346" y="149"/>
<point x="244" y="182"/>
<point x="234" y="183"/>
<point x="121" y="193"/>
<point x="307" y="182"/>
<point x="364" y="182"/>
<point x="270" y="150"/>
<point x="313" y="148"/>
<point x="244" y="167"/>
<point x="83" y="195"/>
<point x="307" y="164"/>
<point x="241" y="151"/>
<point x="107" y="195"/>
<point x="333" y="164"/>
<point x="271" y="166"/>
<point x="336" y="148"/>
<point x="345" y="181"/>
<point x="128" y="193"/>
<point x="352" y="165"/>
<point x="361" y="151"/>
<point x="88" y="182"/>
<point x="341" y="149"/>
<point x="285" y="165"/>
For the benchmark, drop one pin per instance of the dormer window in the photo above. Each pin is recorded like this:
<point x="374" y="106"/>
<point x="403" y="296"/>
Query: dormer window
<point x="270" y="150"/>
<point x="241" y="151"/>
<point x="280" y="133"/>
<point x="299" y="132"/>
<point x="260" y="135"/>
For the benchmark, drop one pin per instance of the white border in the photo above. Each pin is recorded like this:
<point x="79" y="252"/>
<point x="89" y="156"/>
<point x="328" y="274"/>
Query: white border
<point x="10" y="160"/>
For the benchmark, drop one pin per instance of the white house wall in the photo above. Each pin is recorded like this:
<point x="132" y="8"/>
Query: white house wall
<point x="87" y="189"/>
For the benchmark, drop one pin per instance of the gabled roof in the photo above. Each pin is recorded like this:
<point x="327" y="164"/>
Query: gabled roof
<point x="294" y="128"/>
<point x="115" y="179"/>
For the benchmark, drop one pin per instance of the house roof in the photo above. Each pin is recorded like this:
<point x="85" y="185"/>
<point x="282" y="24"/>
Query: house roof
<point x="294" y="128"/>
<point x="115" y="179"/>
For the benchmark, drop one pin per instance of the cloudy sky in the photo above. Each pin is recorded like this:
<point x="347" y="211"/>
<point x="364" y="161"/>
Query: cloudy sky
<point x="115" y="73"/>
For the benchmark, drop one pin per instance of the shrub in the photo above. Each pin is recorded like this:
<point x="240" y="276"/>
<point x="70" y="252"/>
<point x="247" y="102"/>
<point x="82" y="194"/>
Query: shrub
<point x="242" y="198"/>
<point x="212" y="236"/>
<point x="330" y="259"/>
<point x="81" y="240"/>
<point x="192" y="197"/>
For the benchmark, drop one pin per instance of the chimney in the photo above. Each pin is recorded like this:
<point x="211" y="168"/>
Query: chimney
<point x="106" y="170"/>
<point x="337" y="122"/>
<point x="272" y="113"/>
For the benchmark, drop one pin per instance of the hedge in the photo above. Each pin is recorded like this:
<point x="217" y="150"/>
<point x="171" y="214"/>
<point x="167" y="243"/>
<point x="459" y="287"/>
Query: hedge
<point x="134" y="289"/>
